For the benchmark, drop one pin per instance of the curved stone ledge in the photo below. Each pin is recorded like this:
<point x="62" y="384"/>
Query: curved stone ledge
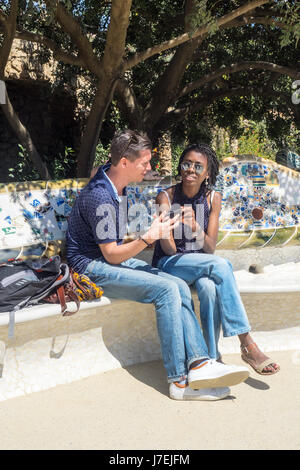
<point x="49" y="349"/>
<point x="54" y="350"/>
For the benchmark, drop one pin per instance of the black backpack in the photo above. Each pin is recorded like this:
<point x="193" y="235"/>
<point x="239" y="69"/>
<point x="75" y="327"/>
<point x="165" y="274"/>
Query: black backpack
<point x="26" y="283"/>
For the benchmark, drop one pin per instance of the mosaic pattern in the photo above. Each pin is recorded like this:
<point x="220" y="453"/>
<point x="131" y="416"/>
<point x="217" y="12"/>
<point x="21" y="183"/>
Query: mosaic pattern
<point x="261" y="200"/>
<point x="141" y="206"/>
<point x="256" y="195"/>
<point x="289" y="158"/>
<point x="260" y="203"/>
<point x="34" y="217"/>
<point x="260" y="207"/>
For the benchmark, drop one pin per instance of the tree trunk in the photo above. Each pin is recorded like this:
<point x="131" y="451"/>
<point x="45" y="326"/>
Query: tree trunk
<point x="165" y="154"/>
<point x="24" y="137"/>
<point x="91" y="134"/>
<point x="221" y="140"/>
<point x="7" y="107"/>
<point x="128" y="105"/>
<point x="108" y="72"/>
<point x="234" y="146"/>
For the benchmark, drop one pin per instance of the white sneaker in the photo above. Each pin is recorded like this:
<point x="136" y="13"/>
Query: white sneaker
<point x="215" y="374"/>
<point x="207" y="394"/>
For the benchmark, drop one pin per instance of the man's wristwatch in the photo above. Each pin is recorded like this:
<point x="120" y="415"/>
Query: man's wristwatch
<point x="141" y="238"/>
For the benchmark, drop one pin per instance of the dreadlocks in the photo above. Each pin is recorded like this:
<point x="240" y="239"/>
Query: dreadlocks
<point x="212" y="161"/>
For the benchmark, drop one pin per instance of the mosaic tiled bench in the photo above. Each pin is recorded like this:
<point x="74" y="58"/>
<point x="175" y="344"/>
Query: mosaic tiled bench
<point x="33" y="220"/>
<point x="260" y="207"/>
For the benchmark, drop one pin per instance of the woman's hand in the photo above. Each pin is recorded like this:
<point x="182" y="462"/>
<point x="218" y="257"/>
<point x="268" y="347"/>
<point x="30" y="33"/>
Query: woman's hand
<point x="161" y="227"/>
<point x="188" y="218"/>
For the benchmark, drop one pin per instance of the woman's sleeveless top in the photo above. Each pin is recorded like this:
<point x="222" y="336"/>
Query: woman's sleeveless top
<point x="183" y="244"/>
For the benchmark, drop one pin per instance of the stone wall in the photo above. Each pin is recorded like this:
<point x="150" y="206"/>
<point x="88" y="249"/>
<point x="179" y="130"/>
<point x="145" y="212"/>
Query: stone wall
<point x="47" y="110"/>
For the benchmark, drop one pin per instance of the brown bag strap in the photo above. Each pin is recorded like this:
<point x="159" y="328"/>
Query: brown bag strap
<point x="62" y="298"/>
<point x="72" y="295"/>
<point x="62" y="291"/>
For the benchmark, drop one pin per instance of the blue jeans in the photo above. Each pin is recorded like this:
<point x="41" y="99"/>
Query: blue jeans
<point x="220" y="301"/>
<point x="180" y="335"/>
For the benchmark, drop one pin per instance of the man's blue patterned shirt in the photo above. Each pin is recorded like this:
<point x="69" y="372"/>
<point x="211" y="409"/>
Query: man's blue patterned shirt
<point x="98" y="216"/>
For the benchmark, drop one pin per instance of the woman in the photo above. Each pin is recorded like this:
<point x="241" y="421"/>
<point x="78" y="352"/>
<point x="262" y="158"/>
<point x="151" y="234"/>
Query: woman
<point x="189" y="255"/>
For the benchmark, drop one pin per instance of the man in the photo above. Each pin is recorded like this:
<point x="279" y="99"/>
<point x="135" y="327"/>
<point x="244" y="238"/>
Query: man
<point x="95" y="247"/>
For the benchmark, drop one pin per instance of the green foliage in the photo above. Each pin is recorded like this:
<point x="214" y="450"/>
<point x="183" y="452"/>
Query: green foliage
<point x="176" y="152"/>
<point x="264" y="96"/>
<point x="102" y="155"/>
<point x="202" y="16"/>
<point x="62" y="166"/>
<point x="292" y="140"/>
<point x="254" y="140"/>
<point x="290" y="12"/>
<point x="152" y="22"/>
<point x="23" y="170"/>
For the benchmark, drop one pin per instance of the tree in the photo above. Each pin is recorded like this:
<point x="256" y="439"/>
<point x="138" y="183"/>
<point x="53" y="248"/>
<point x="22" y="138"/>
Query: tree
<point x="8" y="21"/>
<point x="192" y="78"/>
<point x="113" y="45"/>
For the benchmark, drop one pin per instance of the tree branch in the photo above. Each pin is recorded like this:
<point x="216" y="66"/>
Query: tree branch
<point x="234" y="68"/>
<point x="141" y="56"/>
<point x="12" y="117"/>
<point x="3" y="20"/>
<point x="72" y="27"/>
<point x="244" y="21"/>
<point x="24" y="137"/>
<point x="248" y="20"/>
<point x="168" y="85"/>
<point x="178" y="114"/>
<point x="109" y="71"/>
<point x="116" y="35"/>
<point x="58" y="53"/>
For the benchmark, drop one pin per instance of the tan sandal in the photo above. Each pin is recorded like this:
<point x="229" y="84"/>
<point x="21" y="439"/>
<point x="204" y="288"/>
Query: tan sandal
<point x="257" y="367"/>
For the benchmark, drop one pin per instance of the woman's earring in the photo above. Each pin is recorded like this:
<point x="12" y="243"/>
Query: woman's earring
<point x="206" y="181"/>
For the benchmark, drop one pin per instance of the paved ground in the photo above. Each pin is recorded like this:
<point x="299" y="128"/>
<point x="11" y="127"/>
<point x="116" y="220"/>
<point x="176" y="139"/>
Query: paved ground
<point x="130" y="409"/>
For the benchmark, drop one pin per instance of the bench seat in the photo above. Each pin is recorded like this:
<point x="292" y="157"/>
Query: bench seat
<point x="48" y="310"/>
<point x="277" y="286"/>
<point x="49" y="349"/>
<point x="106" y="333"/>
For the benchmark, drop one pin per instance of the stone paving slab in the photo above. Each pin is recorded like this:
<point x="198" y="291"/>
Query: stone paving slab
<point x="130" y="409"/>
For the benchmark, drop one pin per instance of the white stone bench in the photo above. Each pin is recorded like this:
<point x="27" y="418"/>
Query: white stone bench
<point x="101" y="336"/>
<point x="49" y="349"/>
<point x="106" y="333"/>
<point x="268" y="297"/>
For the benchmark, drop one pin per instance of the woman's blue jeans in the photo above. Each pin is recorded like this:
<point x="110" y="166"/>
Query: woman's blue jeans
<point x="220" y="301"/>
<point x="180" y="335"/>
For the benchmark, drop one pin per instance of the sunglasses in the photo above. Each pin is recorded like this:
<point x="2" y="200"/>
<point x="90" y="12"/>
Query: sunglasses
<point x="185" y="166"/>
<point x="132" y="140"/>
